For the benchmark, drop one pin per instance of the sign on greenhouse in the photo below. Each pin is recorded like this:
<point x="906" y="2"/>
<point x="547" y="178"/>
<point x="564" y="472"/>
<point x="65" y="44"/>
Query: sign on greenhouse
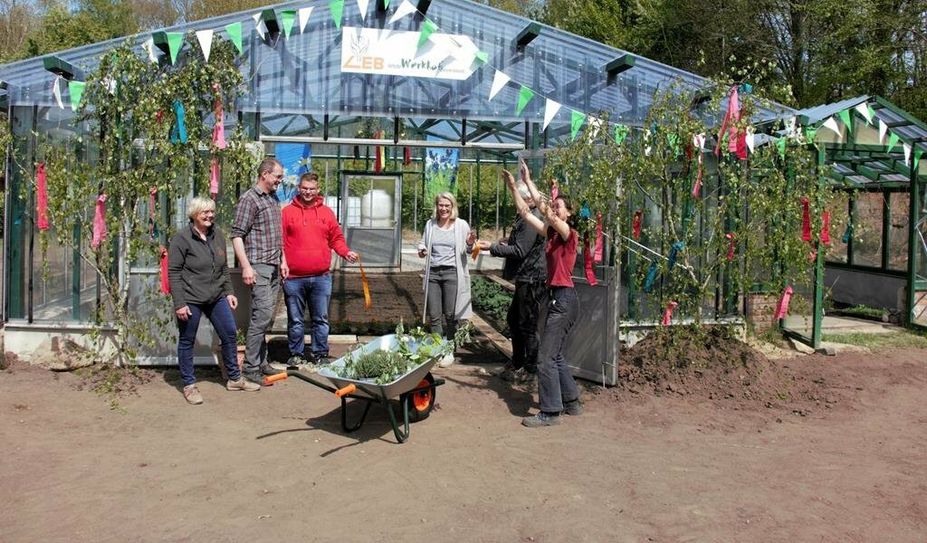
<point x="385" y="52"/>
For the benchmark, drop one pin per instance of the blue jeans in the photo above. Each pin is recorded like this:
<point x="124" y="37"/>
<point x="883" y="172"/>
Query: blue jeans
<point x="317" y="292"/>
<point x="220" y="315"/>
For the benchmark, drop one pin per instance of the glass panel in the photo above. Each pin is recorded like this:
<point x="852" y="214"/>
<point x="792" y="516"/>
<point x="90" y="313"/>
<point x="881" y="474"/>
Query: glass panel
<point x="899" y="202"/>
<point x="837" y="250"/>
<point x="867" y="230"/>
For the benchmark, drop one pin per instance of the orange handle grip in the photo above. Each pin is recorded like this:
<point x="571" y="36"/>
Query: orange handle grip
<point x="271" y="379"/>
<point x="341" y="392"/>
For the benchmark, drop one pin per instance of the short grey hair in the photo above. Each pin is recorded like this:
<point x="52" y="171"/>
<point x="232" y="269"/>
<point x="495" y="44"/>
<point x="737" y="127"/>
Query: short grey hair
<point x="268" y="165"/>
<point x="199" y="205"/>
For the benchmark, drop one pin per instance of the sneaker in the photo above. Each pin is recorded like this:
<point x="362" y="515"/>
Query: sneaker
<point x="242" y="384"/>
<point x="297" y="360"/>
<point x="525" y="379"/>
<point x="192" y="395"/>
<point x="446" y="361"/>
<point x="574" y="408"/>
<point x="267" y="369"/>
<point x="541" y="419"/>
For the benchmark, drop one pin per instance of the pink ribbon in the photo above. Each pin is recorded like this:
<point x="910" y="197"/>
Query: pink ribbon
<point x="214" y="178"/>
<point x="782" y="308"/>
<point x="554" y="192"/>
<point x="165" y="281"/>
<point x="599" y="238"/>
<point x="218" y="131"/>
<point x="805" y="220"/>
<point x="825" y="228"/>
<point x="636" y="224"/>
<point x="41" y="197"/>
<point x="587" y="261"/>
<point x="730" y="246"/>
<point x="737" y="140"/>
<point x="668" y="313"/>
<point x="99" y="222"/>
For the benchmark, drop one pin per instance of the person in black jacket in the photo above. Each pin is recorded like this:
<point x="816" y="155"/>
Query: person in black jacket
<point x="525" y="266"/>
<point x="200" y="285"/>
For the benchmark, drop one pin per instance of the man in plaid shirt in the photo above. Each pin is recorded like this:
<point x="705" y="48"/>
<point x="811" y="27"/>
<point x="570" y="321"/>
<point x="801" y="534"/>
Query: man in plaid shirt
<point x="257" y="237"/>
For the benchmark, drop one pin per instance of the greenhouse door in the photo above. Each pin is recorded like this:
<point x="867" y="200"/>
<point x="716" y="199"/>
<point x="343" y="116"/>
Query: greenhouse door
<point x="369" y="212"/>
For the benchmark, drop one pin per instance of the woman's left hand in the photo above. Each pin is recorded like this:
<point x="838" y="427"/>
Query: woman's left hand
<point x="471" y="237"/>
<point x="233" y="301"/>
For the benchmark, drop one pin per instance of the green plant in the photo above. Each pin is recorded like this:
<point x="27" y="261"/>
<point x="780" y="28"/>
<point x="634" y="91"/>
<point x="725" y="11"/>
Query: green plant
<point x="491" y="300"/>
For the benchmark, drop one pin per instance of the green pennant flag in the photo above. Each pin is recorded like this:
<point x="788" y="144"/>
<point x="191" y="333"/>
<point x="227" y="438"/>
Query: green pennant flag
<point x="428" y="29"/>
<point x="810" y="134"/>
<point x="337" y="9"/>
<point x="576" y="122"/>
<point x="892" y="141"/>
<point x="481" y="56"/>
<point x="780" y="146"/>
<point x="385" y="4"/>
<point x="524" y="96"/>
<point x="845" y="118"/>
<point x="76" y="90"/>
<point x="174" y="43"/>
<point x="234" y="32"/>
<point x="287" y="17"/>
<point x="673" y="141"/>
<point x="621" y="132"/>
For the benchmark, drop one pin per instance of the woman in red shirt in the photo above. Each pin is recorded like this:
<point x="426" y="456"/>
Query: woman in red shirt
<point x="557" y="391"/>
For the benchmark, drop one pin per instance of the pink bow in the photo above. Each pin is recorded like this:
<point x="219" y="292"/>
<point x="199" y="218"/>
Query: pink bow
<point x="587" y="261"/>
<point x="782" y="308"/>
<point x="214" y="178"/>
<point x="668" y="313"/>
<point x="599" y="238"/>
<point x="99" y="222"/>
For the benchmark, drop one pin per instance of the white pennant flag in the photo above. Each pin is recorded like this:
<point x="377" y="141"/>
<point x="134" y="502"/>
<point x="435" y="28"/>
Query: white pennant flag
<point x="550" y="109"/>
<point x="109" y="84"/>
<point x="304" y="14"/>
<point x="792" y="128"/>
<point x="405" y="8"/>
<point x="56" y="92"/>
<point x="259" y="26"/>
<point x="751" y="141"/>
<point x="883" y="129"/>
<point x="498" y="81"/>
<point x="649" y="148"/>
<point x="863" y="110"/>
<point x="907" y="153"/>
<point x="149" y="48"/>
<point x="831" y="123"/>
<point x="362" y="6"/>
<point x="698" y="141"/>
<point x="205" y="39"/>
<point x="594" y="125"/>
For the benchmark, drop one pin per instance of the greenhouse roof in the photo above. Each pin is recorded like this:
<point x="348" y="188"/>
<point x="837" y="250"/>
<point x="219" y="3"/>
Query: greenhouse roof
<point x="418" y="59"/>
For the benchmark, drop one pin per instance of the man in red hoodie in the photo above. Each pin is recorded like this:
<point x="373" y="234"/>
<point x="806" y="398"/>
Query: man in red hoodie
<point x="310" y="234"/>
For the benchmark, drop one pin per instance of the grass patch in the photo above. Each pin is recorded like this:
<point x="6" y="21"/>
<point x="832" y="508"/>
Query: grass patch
<point x="863" y="312"/>
<point x="899" y="340"/>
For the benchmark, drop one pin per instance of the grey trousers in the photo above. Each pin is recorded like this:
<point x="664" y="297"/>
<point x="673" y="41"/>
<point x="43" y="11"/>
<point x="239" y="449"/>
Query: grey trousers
<point x="555" y="379"/>
<point x="442" y="300"/>
<point x="264" y="294"/>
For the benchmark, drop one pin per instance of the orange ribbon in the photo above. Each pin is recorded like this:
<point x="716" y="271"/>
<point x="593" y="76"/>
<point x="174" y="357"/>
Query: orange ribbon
<point x="368" y="303"/>
<point x="475" y="253"/>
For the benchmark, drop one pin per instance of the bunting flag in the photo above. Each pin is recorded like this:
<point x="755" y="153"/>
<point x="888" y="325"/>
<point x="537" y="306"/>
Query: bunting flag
<point x="782" y="307"/>
<point x="792" y="128"/>
<point x="847" y="233"/>
<point x="595" y="124"/>
<point x="41" y="197"/>
<point x="599" y="238"/>
<point x="179" y="131"/>
<point x="214" y="177"/>
<point x="865" y="111"/>
<point x="892" y="142"/>
<point x="825" y="228"/>
<point x="550" y="110"/>
<point x="76" y="91"/>
<point x="362" y="7"/>
<point x="174" y="44"/>
<point x="56" y="92"/>
<point x="907" y="153"/>
<point x="668" y="313"/>
<point x="576" y="122"/>
<point x="259" y="25"/>
<point x="674" y="254"/>
<point x="385" y="4"/>
<point x="288" y="17"/>
<point x="499" y="81"/>
<point x="99" y="222"/>
<point x="480" y="57"/>
<point x="148" y="46"/>
<point x="165" y="278"/>
<point x="524" y="96"/>
<point x="651" y="277"/>
<point x="109" y="84"/>
<point x="428" y="28"/>
<point x="805" y="219"/>
<point x="731" y="245"/>
<point x="846" y="119"/>
<point x="621" y="132"/>
<point x="780" y="146"/>
<point x="405" y="8"/>
<point x="204" y="37"/>
<point x="637" y="223"/>
<point x="234" y="32"/>
<point x="304" y="14"/>
<point x="587" y="262"/>
<point x="737" y="143"/>
<point x="751" y="139"/>
<point x="883" y="129"/>
<point x="811" y="133"/>
<point x="831" y="123"/>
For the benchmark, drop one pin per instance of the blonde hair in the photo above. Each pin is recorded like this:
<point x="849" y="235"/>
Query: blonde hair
<point x="199" y="205"/>
<point x="449" y="197"/>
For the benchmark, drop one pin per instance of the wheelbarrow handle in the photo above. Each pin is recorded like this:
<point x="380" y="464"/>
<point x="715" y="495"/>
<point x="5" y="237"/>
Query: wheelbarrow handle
<point x="344" y="391"/>
<point x="271" y="379"/>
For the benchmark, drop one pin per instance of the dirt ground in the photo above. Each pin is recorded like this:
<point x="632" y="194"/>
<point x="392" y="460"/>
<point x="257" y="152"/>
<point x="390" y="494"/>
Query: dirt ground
<point x="842" y="461"/>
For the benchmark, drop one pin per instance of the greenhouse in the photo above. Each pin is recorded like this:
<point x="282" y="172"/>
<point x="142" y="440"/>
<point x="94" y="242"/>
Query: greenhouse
<point x="388" y="100"/>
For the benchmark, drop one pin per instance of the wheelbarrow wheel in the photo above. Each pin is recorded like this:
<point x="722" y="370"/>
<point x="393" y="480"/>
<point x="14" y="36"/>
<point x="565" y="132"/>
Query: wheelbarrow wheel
<point x="421" y="402"/>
